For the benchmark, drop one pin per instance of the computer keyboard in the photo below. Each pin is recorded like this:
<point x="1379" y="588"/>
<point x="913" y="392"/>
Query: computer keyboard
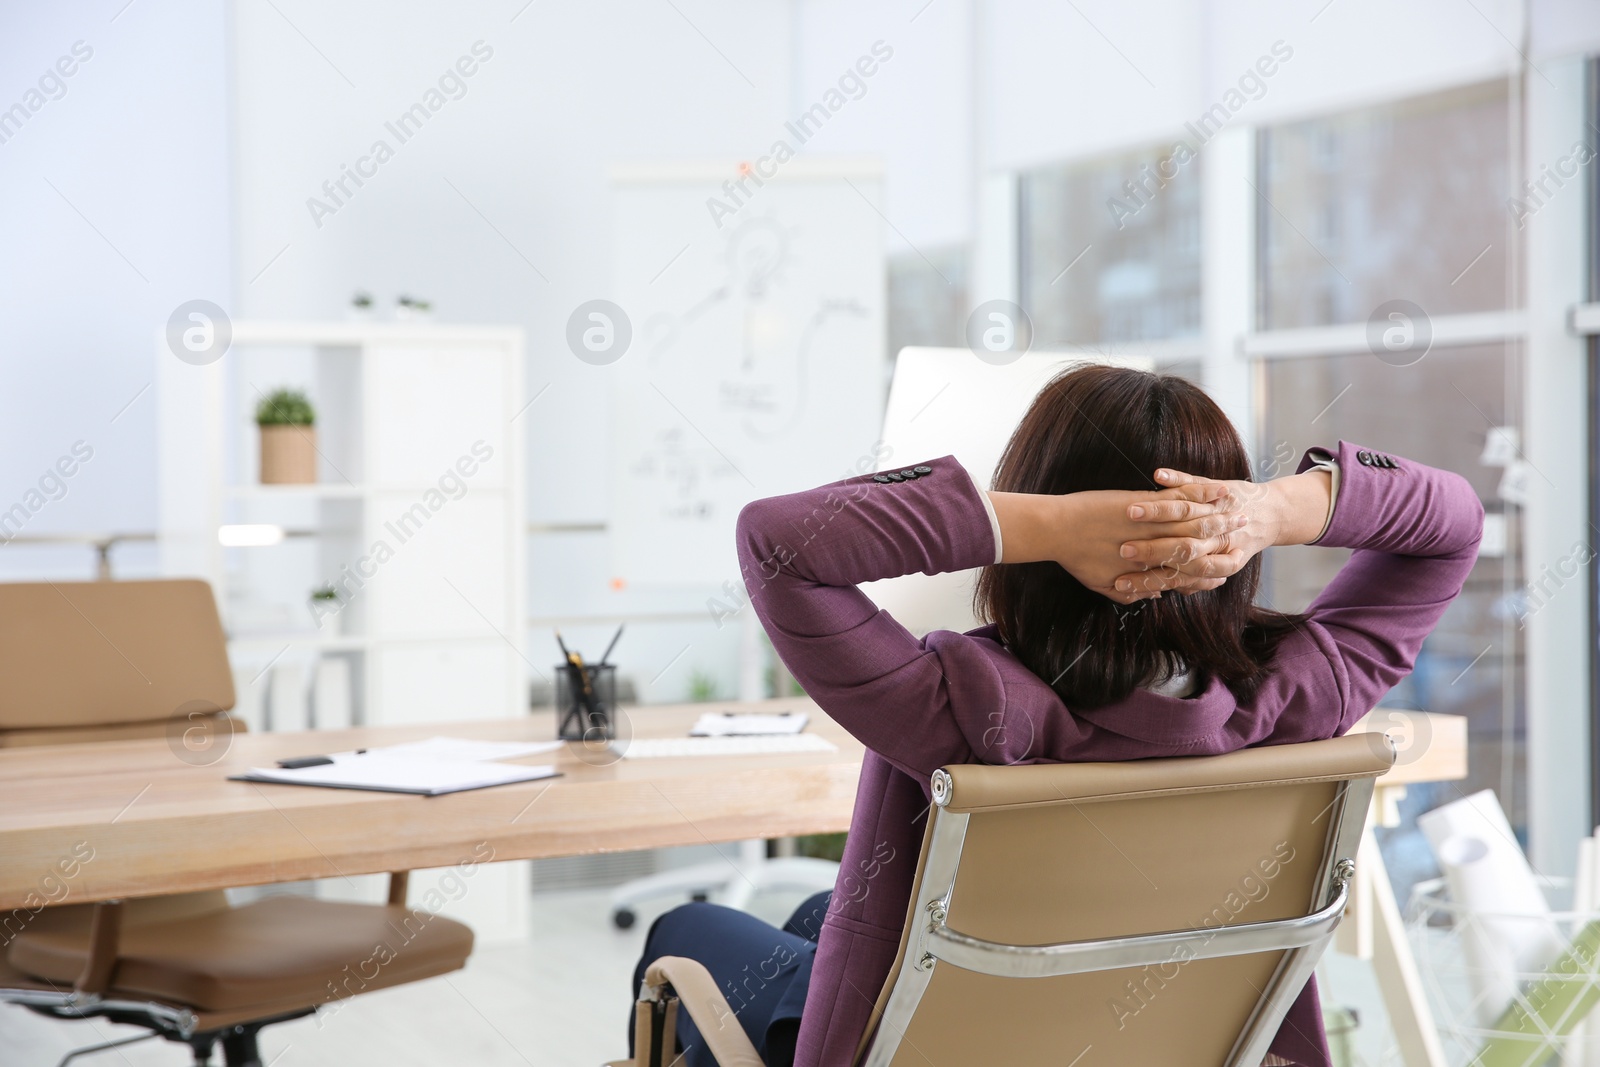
<point x="668" y="747"/>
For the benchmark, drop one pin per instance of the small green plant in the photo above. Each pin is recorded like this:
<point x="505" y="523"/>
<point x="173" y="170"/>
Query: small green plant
<point x="788" y="688"/>
<point x="325" y="603"/>
<point x="362" y="300"/>
<point x="821" y="846"/>
<point x="285" y="407"/>
<point x="702" y="686"/>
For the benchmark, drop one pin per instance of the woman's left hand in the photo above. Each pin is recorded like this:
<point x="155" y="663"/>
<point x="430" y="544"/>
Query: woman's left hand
<point x="1162" y="559"/>
<point x="1180" y="527"/>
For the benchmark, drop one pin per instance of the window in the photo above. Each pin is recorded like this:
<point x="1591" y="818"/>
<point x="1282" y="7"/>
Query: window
<point x="1407" y="200"/>
<point x="1110" y="249"/>
<point x="927" y="299"/>
<point x="1447" y="406"/>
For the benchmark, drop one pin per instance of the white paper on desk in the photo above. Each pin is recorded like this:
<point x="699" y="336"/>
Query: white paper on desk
<point x="467" y="748"/>
<point x="401" y="774"/>
<point x="731" y="724"/>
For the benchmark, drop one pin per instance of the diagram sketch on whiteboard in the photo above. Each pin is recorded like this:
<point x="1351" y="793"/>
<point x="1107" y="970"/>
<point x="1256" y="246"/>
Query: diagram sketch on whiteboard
<point x="733" y="391"/>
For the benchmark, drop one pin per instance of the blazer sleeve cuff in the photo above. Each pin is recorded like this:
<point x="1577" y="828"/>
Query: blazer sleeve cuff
<point x="1341" y="523"/>
<point x="1323" y="460"/>
<point x="994" y="520"/>
<point x="1396" y="505"/>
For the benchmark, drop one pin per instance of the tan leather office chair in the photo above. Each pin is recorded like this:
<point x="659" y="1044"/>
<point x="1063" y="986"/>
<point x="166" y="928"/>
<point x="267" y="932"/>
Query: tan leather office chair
<point x="1163" y="911"/>
<point x="100" y="661"/>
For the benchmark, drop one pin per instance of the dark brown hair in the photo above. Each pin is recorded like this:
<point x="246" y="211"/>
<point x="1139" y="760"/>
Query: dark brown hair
<point x="1101" y="427"/>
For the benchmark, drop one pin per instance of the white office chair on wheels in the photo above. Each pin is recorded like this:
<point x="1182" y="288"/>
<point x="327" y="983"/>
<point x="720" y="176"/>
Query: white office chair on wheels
<point x="731" y="881"/>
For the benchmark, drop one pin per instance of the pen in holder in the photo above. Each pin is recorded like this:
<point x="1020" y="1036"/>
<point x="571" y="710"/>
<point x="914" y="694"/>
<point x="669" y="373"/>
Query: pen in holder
<point x="585" y="697"/>
<point x="586" y="694"/>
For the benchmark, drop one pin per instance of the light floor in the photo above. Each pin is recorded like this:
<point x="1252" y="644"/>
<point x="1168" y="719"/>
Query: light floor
<point x="560" y="1000"/>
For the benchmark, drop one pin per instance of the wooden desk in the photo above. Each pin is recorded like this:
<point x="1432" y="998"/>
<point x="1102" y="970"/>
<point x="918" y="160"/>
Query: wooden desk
<point x="1436" y="751"/>
<point x="159" y="825"/>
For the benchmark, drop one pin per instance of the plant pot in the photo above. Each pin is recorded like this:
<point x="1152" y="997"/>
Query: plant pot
<point x="329" y="617"/>
<point x="288" y="455"/>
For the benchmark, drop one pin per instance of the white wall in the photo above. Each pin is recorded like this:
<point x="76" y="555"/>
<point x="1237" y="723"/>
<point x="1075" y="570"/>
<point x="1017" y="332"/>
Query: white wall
<point x="569" y="89"/>
<point x="115" y="210"/>
<point x="917" y="111"/>
<point x="498" y="210"/>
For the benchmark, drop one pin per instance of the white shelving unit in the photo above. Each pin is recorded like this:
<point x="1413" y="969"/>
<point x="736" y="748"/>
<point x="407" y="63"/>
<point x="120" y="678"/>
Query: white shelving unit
<point x="416" y="519"/>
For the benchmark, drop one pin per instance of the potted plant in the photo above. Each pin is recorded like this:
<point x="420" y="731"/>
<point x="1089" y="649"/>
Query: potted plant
<point x="288" y="438"/>
<point x="409" y="307"/>
<point x="325" y="606"/>
<point x="702" y="686"/>
<point x="361" y="306"/>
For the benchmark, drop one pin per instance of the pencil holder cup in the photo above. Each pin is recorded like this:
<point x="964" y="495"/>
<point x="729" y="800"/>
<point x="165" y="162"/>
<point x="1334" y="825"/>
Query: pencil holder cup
<point x="586" y="717"/>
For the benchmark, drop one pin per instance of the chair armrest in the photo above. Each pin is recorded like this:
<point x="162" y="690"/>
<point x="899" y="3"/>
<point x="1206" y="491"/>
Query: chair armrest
<point x="105" y="930"/>
<point x="697" y="991"/>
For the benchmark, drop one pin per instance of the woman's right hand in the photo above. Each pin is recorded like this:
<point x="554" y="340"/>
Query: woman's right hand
<point x="1288" y="510"/>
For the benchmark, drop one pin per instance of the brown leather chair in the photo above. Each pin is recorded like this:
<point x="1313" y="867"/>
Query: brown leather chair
<point x="1156" y="911"/>
<point x="101" y="661"/>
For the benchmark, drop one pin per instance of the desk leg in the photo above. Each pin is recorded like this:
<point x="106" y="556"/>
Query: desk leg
<point x="1403" y="995"/>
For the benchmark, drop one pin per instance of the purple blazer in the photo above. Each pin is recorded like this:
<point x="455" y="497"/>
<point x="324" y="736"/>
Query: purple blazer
<point x="918" y="704"/>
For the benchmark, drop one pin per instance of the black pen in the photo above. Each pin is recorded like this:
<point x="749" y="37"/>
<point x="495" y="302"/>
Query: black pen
<point x="605" y="659"/>
<point x="311" y="761"/>
<point x="585" y="693"/>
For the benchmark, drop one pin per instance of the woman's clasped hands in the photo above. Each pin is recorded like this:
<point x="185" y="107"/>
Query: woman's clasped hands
<point x="1188" y="537"/>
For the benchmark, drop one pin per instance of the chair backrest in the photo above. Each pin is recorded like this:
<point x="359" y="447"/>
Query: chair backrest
<point x="1156" y="911"/>
<point x="110" y="656"/>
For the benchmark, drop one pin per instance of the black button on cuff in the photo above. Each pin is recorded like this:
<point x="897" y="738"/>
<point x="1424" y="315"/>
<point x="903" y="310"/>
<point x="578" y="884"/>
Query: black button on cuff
<point x="910" y="474"/>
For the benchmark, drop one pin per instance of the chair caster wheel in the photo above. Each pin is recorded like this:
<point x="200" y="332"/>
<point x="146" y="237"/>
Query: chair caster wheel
<point x="623" y="918"/>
